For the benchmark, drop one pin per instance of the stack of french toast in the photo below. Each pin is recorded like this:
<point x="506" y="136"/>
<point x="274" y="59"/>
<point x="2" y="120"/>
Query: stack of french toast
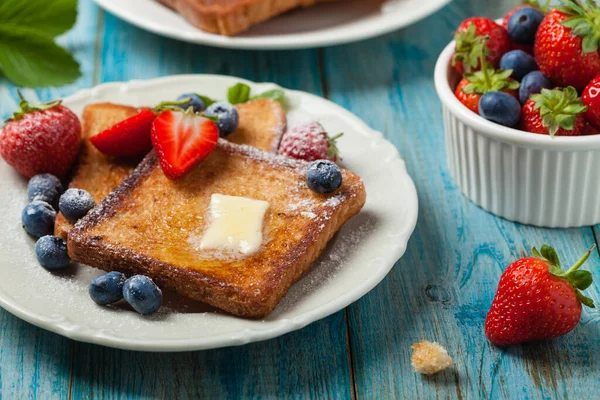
<point x="146" y="223"/>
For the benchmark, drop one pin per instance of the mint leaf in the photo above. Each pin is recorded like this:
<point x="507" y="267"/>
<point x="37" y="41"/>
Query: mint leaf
<point x="31" y="59"/>
<point x="238" y="93"/>
<point x="207" y="100"/>
<point x="275" y="94"/>
<point x="50" y="18"/>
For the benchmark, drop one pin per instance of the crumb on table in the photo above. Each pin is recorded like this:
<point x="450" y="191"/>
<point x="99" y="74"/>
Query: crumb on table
<point x="430" y="358"/>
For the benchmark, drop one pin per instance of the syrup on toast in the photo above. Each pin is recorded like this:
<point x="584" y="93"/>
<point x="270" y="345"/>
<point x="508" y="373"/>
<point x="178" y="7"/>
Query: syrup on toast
<point x="153" y="226"/>
<point x="230" y="17"/>
<point x="262" y="124"/>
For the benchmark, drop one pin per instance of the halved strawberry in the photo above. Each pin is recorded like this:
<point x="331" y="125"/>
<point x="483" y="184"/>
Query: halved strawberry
<point x="181" y="140"/>
<point x="130" y="137"/>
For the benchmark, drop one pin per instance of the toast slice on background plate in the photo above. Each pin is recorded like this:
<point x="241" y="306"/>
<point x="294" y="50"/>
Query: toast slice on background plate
<point x="153" y="226"/>
<point x="230" y="17"/>
<point x="262" y="124"/>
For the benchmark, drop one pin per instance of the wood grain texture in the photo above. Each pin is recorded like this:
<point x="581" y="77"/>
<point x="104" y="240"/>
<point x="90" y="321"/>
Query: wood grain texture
<point x="442" y="288"/>
<point x="312" y="363"/>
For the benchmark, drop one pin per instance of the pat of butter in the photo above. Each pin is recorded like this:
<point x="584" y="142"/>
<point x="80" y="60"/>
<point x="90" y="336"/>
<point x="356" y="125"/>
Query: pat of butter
<point x="235" y="224"/>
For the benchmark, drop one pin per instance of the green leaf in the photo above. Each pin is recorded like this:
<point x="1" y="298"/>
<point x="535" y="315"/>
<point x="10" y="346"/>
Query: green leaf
<point x="275" y="94"/>
<point x="51" y="18"/>
<point x="580" y="279"/>
<point x="586" y="301"/>
<point x="550" y="254"/>
<point x="238" y="93"/>
<point x="207" y="100"/>
<point x="31" y="59"/>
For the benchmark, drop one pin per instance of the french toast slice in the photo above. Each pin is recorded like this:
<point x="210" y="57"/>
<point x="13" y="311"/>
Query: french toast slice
<point x="230" y="17"/>
<point x="262" y="124"/>
<point x="153" y="226"/>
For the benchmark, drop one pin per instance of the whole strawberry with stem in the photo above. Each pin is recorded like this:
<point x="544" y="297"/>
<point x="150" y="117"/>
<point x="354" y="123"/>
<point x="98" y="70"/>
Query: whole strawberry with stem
<point x="310" y="142"/>
<point x="555" y="112"/>
<point x="468" y="44"/>
<point x="566" y="44"/>
<point x="537" y="300"/>
<point x="474" y="85"/>
<point x="40" y="139"/>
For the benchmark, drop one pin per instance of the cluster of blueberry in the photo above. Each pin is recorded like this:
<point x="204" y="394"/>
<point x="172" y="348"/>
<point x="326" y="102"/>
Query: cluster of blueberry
<point x="45" y="192"/>
<point x="228" y="118"/>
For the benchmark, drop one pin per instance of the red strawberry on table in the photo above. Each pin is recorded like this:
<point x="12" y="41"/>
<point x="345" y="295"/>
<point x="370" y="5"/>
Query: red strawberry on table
<point x="591" y="99"/>
<point x="468" y="43"/>
<point x="41" y="139"/>
<point x="182" y="139"/>
<point x="309" y="142"/>
<point x="556" y="112"/>
<point x="537" y="300"/>
<point x="566" y="44"/>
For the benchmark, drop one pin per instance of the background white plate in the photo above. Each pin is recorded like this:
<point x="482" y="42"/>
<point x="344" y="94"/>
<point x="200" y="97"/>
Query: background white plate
<point x="356" y="260"/>
<point x="321" y="25"/>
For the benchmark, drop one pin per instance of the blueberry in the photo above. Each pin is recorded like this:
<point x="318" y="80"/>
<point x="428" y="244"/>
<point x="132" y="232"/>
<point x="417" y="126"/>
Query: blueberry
<point x="74" y="204"/>
<point x="38" y="218"/>
<point x="501" y="108"/>
<point x="523" y="25"/>
<point x="228" y="117"/>
<point x="520" y="62"/>
<point x="533" y="83"/>
<point x="108" y="288"/>
<point x="196" y="103"/>
<point x="51" y="252"/>
<point x="143" y="294"/>
<point x="323" y="176"/>
<point x="45" y="187"/>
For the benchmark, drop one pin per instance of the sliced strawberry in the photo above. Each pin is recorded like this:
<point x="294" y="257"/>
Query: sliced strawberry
<point x="130" y="137"/>
<point x="181" y="140"/>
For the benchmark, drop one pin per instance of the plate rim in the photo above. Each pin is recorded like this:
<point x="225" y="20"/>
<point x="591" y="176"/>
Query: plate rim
<point x="257" y="43"/>
<point x="245" y="335"/>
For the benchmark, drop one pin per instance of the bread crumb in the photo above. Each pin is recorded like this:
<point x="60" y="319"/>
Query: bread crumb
<point x="430" y="358"/>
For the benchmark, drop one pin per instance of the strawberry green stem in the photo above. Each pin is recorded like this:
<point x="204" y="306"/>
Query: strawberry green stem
<point x="486" y="75"/>
<point x="581" y="261"/>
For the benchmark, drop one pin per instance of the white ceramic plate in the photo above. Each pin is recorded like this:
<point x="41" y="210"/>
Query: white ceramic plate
<point x="321" y="25"/>
<point x="356" y="260"/>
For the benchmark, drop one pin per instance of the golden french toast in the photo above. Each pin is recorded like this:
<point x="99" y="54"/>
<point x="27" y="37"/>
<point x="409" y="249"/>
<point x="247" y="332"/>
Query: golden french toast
<point x="262" y="123"/>
<point x="153" y="226"/>
<point x="230" y="17"/>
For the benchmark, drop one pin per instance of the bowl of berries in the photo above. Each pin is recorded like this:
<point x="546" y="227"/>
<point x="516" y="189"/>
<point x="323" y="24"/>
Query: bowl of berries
<point x="521" y="105"/>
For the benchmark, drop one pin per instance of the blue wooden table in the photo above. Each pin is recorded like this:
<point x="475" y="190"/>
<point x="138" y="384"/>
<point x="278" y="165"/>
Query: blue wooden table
<point x="440" y="290"/>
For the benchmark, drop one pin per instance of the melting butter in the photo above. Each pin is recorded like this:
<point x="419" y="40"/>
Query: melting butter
<point x="235" y="224"/>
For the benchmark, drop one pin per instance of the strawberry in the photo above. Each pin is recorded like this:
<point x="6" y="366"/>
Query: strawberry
<point x="182" y="139"/>
<point x="566" y="44"/>
<point x="474" y="85"/>
<point x="591" y="99"/>
<point x="309" y="142"/>
<point x="556" y="112"/>
<point x="130" y="137"/>
<point x="537" y="300"/>
<point x="468" y="43"/>
<point x="41" y="139"/>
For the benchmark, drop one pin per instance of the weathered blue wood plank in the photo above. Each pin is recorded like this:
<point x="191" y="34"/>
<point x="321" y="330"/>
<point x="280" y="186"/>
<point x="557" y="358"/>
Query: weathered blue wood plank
<point x="442" y="288"/>
<point x="312" y="363"/>
<point x="35" y="363"/>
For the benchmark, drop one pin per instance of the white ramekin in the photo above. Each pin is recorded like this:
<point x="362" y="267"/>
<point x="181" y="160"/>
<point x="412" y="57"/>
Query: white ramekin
<point x="524" y="177"/>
